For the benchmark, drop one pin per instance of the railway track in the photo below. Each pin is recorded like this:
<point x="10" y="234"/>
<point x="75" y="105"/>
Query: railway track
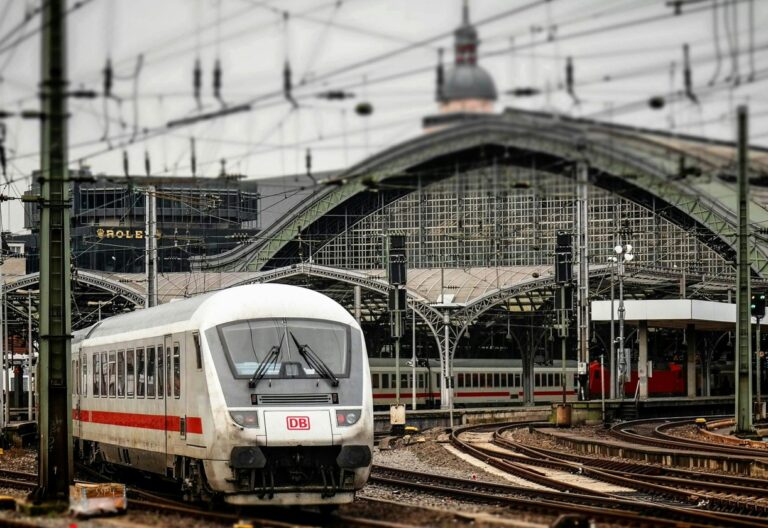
<point x="18" y="479"/>
<point x="726" y="502"/>
<point x="718" y="492"/>
<point x="650" y="432"/>
<point x="544" y="502"/>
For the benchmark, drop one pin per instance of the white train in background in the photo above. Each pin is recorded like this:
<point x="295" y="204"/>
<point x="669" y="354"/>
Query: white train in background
<point x="477" y="382"/>
<point x="257" y="394"/>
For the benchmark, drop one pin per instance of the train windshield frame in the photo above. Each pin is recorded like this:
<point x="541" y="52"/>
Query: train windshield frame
<point x="247" y="344"/>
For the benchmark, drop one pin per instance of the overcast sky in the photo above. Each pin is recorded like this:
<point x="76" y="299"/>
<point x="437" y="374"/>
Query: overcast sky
<point x="624" y="51"/>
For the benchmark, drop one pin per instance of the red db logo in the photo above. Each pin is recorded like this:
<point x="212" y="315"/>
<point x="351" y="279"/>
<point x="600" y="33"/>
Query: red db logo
<point x="298" y="423"/>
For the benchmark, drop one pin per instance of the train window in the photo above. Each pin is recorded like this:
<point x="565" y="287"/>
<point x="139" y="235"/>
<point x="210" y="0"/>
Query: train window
<point x="198" y="353"/>
<point x="475" y="379"/>
<point x="168" y="370"/>
<point x="537" y="380"/>
<point x="437" y="381"/>
<point x="420" y="380"/>
<point x="84" y="385"/>
<point x="385" y="381"/>
<point x="130" y="373"/>
<point x="112" y="372"/>
<point x="557" y="380"/>
<point x="141" y="380"/>
<point x="404" y="380"/>
<point x="497" y="380"/>
<point x="460" y="380"/>
<point x="176" y="370"/>
<point x="96" y="371"/>
<point x="375" y="381"/>
<point x="104" y="367"/>
<point x="483" y="381"/>
<point x="150" y="372"/>
<point x="160" y="371"/>
<point x="121" y="373"/>
<point x="75" y="386"/>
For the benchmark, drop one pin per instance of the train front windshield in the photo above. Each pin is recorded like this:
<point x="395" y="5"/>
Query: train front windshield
<point x="286" y="348"/>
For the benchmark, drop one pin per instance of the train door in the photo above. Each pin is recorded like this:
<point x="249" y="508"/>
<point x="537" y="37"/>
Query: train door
<point x="166" y="351"/>
<point x="76" y="390"/>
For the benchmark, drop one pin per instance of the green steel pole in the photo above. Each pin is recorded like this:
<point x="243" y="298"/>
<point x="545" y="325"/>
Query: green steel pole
<point x="55" y="419"/>
<point x="743" y="370"/>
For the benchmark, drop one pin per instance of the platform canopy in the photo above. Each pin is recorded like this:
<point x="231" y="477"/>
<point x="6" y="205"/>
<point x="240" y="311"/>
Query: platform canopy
<point x="672" y="313"/>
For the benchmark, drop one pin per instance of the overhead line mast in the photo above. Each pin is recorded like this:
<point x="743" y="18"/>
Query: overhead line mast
<point x="55" y="417"/>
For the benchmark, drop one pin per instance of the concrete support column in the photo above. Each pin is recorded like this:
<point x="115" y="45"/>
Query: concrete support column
<point x="642" y="362"/>
<point x="358" y="302"/>
<point x="690" y="362"/>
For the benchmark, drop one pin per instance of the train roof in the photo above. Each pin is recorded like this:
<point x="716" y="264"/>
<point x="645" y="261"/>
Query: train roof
<point x="209" y="309"/>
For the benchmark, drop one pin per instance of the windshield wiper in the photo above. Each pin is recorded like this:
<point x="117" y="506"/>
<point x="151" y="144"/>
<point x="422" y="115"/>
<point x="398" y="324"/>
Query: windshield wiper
<point x="269" y="359"/>
<point x="314" y="361"/>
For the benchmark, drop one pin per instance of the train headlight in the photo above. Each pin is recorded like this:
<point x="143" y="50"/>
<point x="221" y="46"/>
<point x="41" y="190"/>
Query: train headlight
<point x="245" y="418"/>
<point x="347" y="417"/>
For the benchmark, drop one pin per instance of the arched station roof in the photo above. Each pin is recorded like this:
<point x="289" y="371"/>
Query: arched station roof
<point x="690" y="179"/>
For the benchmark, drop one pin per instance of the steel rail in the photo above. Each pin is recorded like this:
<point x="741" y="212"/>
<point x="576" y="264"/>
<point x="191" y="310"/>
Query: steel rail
<point x="601" y="509"/>
<point x="624" y="432"/>
<point x="713" y="495"/>
<point x="718" y="502"/>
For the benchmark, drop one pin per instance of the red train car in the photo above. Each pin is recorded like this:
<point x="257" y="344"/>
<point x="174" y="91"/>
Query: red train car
<point x="667" y="379"/>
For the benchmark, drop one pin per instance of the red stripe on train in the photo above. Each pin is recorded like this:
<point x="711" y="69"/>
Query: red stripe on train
<point x="157" y="422"/>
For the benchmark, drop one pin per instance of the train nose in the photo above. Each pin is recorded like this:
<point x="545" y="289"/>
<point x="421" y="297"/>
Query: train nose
<point x="303" y="428"/>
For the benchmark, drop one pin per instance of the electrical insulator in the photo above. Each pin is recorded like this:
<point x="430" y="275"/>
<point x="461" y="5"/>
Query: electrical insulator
<point x="440" y="75"/>
<point x="147" y="167"/>
<point x="197" y="80"/>
<point x="125" y="164"/>
<point x="193" y="156"/>
<point x="217" y="79"/>
<point x="108" y="78"/>
<point x="3" y="159"/>
<point x="569" y="79"/>
<point x="288" y="85"/>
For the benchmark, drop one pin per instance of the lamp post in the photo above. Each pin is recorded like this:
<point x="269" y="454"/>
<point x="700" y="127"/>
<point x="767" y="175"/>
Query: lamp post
<point x="623" y="255"/>
<point x="612" y="356"/>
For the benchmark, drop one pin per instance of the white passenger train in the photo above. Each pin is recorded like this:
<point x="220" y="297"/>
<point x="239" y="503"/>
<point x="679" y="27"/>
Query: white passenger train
<point x="257" y="394"/>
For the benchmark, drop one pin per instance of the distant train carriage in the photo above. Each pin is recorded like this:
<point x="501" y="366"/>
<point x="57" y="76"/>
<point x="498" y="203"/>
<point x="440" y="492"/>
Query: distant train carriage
<point x="667" y="379"/>
<point x="477" y="382"/>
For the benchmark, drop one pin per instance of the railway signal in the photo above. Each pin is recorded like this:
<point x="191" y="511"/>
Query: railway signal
<point x="757" y="305"/>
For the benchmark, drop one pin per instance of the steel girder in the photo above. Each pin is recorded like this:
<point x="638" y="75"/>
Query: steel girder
<point x="644" y="167"/>
<point x="91" y="279"/>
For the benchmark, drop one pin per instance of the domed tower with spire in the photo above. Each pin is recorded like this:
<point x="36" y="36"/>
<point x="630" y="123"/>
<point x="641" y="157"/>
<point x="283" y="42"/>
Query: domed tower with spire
<point x="467" y="87"/>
